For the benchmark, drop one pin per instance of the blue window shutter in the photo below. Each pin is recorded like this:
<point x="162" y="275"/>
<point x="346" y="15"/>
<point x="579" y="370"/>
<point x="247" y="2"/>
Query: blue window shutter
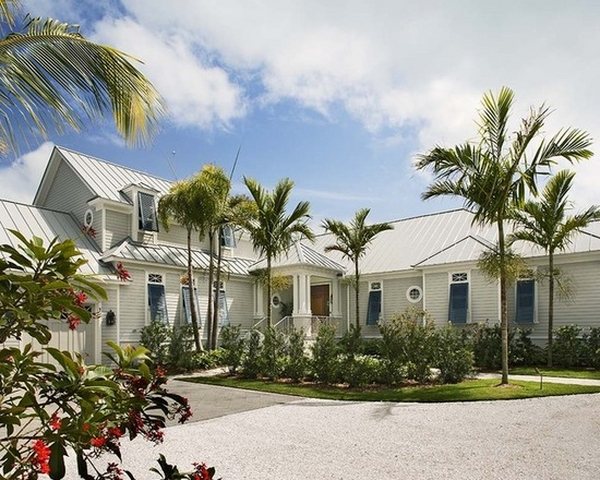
<point x="187" y="312"/>
<point x="223" y="309"/>
<point x="374" y="307"/>
<point x="459" y="302"/>
<point x="525" y="301"/>
<point x="157" y="303"/>
<point x="228" y="236"/>
<point x="147" y="212"/>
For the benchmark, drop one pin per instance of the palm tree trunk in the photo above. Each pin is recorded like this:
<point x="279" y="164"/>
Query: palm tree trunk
<point x="190" y="275"/>
<point x="211" y="268"/>
<point x="215" y="319"/>
<point x="550" y="305"/>
<point x="503" y="305"/>
<point x="356" y="293"/>
<point x="268" y="290"/>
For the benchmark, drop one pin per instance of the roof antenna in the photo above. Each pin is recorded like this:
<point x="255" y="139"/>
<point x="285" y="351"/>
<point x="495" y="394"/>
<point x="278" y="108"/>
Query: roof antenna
<point x="237" y="155"/>
<point x="171" y="165"/>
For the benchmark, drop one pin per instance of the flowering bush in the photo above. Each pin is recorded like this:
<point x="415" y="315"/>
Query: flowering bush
<point x="46" y="408"/>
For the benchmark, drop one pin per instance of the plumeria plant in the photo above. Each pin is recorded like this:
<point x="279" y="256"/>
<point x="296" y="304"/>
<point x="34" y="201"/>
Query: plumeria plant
<point x="49" y="409"/>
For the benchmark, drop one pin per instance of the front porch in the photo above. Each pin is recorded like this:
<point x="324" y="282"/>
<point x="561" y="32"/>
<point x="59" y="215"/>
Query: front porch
<point x="310" y="296"/>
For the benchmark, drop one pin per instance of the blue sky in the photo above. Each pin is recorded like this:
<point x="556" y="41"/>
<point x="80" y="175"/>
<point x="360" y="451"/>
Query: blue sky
<point x="339" y="96"/>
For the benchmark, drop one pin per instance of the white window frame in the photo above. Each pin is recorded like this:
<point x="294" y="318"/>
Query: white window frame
<point x="232" y="229"/>
<point x="410" y="289"/>
<point x="468" y="281"/>
<point x="380" y="289"/>
<point x="149" y="282"/>
<point x="138" y="212"/>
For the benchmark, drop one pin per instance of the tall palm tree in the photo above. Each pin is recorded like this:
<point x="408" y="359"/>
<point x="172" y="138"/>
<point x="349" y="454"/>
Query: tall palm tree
<point x="545" y="223"/>
<point x="352" y="241"/>
<point x="273" y="229"/>
<point x="237" y="211"/>
<point x="51" y="78"/>
<point x="494" y="175"/>
<point x="190" y="203"/>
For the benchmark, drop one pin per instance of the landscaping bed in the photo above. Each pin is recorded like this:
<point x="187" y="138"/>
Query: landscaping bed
<point x="466" y="391"/>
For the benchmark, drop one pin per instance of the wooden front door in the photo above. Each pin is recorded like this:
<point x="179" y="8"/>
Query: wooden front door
<point x="319" y="300"/>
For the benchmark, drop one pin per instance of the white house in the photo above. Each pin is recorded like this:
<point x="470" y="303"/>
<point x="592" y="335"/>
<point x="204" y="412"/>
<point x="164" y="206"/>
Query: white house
<point x="428" y="261"/>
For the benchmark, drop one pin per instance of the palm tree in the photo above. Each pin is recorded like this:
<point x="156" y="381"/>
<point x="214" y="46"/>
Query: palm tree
<point x="352" y="241"/>
<point x="545" y="223"/>
<point x="191" y="204"/>
<point x="494" y="175"/>
<point x="52" y="78"/>
<point x="237" y="211"/>
<point x="273" y="229"/>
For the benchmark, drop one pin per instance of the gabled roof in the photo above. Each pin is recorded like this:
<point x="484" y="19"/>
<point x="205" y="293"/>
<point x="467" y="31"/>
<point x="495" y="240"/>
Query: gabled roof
<point x="300" y="254"/>
<point x="106" y="180"/>
<point x="172" y="255"/>
<point x="466" y="249"/>
<point x="412" y="240"/>
<point x="48" y="224"/>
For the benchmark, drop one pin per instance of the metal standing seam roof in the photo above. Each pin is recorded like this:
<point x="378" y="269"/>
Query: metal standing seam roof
<point x="48" y="224"/>
<point x="107" y="179"/>
<point x="173" y="255"/>
<point x="412" y="240"/>
<point x="300" y="254"/>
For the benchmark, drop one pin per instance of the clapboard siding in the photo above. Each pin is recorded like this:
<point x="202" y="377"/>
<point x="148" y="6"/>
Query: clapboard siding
<point x="394" y="295"/>
<point x="110" y="332"/>
<point x="68" y="193"/>
<point x="436" y="296"/>
<point x="484" y="298"/>
<point x="133" y="306"/>
<point x="178" y="235"/>
<point x="239" y="302"/>
<point x="118" y="227"/>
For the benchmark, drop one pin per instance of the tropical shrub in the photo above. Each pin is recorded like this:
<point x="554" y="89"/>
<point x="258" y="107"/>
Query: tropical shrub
<point x="568" y="347"/>
<point x="523" y="351"/>
<point x="251" y="363"/>
<point x="360" y="370"/>
<point x="296" y="362"/>
<point x="181" y="348"/>
<point x="452" y="357"/>
<point x="272" y="354"/>
<point x="407" y="347"/>
<point x="592" y="341"/>
<point x="47" y="410"/>
<point x="208" y="359"/>
<point x="351" y="343"/>
<point x="325" y="355"/>
<point x="232" y="344"/>
<point x="372" y="347"/>
<point x="156" y="337"/>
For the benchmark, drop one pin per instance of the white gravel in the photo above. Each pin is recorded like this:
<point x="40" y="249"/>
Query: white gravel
<point x="546" y="438"/>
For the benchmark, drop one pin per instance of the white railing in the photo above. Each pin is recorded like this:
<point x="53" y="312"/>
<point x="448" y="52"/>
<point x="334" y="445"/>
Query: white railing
<point x="260" y="324"/>
<point x="317" y="321"/>
<point x="286" y="324"/>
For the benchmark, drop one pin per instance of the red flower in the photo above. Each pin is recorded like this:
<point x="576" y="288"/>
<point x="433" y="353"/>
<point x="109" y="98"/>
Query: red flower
<point x="91" y="231"/>
<point x="201" y="472"/>
<point x="41" y="456"/>
<point x="79" y="298"/>
<point x="98" y="442"/>
<point x="115" y="432"/>
<point x="86" y="427"/>
<point x="122" y="272"/>
<point x="73" y="321"/>
<point x="55" y="422"/>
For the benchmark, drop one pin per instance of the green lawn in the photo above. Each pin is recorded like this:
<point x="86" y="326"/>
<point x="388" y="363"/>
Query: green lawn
<point x="470" y="390"/>
<point x="558" y="372"/>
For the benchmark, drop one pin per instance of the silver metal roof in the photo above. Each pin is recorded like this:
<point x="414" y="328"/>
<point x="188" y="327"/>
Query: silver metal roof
<point x="172" y="255"/>
<point x="300" y="254"/>
<point x="47" y="224"/>
<point x="107" y="179"/>
<point x="411" y="241"/>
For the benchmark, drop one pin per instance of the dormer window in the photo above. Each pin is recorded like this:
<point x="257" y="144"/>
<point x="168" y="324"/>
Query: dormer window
<point x="227" y="236"/>
<point x="147" y="212"/>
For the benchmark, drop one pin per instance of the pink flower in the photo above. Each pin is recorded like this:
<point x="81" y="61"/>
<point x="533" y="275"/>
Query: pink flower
<point x="73" y="321"/>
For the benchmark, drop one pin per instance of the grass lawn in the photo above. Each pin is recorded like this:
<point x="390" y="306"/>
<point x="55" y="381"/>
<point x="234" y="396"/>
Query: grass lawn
<point x="558" y="372"/>
<point x="469" y="390"/>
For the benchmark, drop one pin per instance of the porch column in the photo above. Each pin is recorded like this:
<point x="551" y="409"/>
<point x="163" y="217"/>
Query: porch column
<point x="307" y="296"/>
<point x="335" y="292"/>
<point x="259" y="300"/>
<point x="296" y="294"/>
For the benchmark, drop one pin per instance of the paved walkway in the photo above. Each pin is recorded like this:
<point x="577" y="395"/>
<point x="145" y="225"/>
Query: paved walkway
<point x="536" y="378"/>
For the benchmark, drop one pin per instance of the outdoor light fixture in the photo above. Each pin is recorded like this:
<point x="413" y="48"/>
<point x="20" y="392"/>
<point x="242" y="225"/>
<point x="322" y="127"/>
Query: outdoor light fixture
<point x="110" y="318"/>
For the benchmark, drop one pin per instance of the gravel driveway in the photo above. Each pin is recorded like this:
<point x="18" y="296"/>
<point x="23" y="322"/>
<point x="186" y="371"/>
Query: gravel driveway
<point x="546" y="438"/>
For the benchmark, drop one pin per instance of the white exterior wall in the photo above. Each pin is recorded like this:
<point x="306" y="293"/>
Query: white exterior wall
<point x="118" y="227"/>
<point x="483" y="297"/>
<point x="133" y="305"/>
<point x="436" y="296"/>
<point x="178" y="235"/>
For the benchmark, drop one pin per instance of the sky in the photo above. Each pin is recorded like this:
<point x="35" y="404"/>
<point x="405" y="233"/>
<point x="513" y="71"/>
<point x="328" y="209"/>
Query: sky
<point x="339" y="96"/>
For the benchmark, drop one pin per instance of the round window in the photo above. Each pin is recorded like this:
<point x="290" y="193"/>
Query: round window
<point x="414" y="294"/>
<point x="276" y="301"/>
<point x="88" y="218"/>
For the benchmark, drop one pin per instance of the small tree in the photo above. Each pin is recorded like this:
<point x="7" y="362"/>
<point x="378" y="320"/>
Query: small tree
<point x="273" y="229"/>
<point x="545" y="223"/>
<point x="352" y="241"/>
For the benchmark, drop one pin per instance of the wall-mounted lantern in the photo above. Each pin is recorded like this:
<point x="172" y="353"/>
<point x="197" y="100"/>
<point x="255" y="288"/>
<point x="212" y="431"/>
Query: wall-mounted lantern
<point x="111" y="318"/>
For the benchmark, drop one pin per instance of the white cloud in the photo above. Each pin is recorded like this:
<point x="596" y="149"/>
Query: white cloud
<point x="21" y="178"/>
<point x="196" y="93"/>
